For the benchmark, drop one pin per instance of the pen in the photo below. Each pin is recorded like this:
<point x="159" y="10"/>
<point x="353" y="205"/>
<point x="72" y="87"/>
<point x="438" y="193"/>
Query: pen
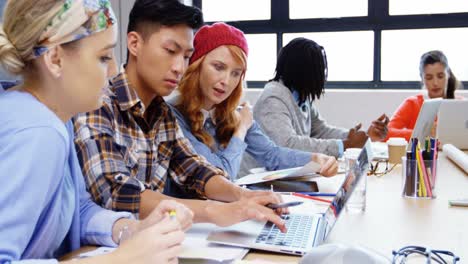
<point x="283" y="205"/>
<point x="311" y="197"/>
<point x="172" y="214"/>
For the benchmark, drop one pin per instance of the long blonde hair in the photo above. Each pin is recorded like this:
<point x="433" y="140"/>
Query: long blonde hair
<point x="24" y="22"/>
<point x="191" y="102"/>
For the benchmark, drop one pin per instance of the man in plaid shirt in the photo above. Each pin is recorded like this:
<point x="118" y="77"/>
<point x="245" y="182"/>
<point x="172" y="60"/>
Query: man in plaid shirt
<point x="132" y="149"/>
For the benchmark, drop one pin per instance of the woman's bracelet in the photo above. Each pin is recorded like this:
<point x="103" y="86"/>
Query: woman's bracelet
<point x="124" y="234"/>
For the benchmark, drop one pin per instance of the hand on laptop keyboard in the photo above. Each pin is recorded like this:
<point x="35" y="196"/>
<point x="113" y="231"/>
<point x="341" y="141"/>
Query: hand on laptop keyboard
<point x="299" y="229"/>
<point x="226" y="214"/>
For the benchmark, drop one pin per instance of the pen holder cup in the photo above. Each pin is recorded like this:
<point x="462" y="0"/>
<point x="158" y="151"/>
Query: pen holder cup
<point x="419" y="178"/>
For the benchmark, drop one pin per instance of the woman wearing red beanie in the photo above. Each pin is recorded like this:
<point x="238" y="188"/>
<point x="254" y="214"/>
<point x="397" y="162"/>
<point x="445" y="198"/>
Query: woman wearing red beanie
<point x="207" y="108"/>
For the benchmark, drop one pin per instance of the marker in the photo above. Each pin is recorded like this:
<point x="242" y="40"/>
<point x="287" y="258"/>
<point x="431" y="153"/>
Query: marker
<point x="311" y="197"/>
<point x="172" y="214"/>
<point x="283" y="205"/>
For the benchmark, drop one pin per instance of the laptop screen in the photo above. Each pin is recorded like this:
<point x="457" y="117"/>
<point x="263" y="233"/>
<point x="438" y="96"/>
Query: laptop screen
<point x="357" y="171"/>
<point x="452" y="123"/>
<point x="426" y="117"/>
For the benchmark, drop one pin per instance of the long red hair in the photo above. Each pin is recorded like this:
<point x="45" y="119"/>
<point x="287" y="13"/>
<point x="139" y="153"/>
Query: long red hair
<point x="191" y="102"/>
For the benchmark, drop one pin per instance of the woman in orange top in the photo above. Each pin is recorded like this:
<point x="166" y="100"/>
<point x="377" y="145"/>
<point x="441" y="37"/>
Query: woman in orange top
<point x="439" y="81"/>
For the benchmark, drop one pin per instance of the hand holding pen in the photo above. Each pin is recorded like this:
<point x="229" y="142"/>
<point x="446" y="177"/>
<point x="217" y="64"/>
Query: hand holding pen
<point x="157" y="237"/>
<point x="245" y="120"/>
<point x="172" y="210"/>
<point x="276" y="197"/>
<point x="378" y="130"/>
<point x="283" y="205"/>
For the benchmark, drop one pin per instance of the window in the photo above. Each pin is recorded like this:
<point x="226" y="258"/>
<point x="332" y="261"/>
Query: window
<point x="318" y="9"/>
<point x="369" y="43"/>
<point x="239" y="10"/>
<point x="400" y="60"/>
<point x="262" y="57"/>
<point x="352" y="61"/>
<point x="405" y="7"/>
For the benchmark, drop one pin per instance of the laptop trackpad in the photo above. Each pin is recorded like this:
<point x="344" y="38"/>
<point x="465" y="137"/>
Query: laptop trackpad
<point x="242" y="234"/>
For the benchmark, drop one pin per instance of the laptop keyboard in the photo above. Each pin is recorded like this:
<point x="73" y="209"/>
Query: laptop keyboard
<point x="298" y="234"/>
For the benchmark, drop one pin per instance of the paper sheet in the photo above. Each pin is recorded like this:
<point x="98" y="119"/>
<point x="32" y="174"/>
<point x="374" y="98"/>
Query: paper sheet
<point x="195" y="248"/>
<point x="310" y="170"/>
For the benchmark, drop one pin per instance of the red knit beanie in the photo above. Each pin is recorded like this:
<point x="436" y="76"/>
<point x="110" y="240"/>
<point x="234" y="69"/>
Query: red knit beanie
<point x="209" y="38"/>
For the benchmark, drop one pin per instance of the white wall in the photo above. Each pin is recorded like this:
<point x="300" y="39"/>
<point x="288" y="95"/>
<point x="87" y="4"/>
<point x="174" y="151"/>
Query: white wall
<point x="347" y="107"/>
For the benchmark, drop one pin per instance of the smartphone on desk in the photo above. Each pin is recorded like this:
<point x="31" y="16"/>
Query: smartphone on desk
<point x="286" y="186"/>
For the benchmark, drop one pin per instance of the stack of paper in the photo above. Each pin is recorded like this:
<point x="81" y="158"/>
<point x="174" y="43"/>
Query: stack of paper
<point x="309" y="170"/>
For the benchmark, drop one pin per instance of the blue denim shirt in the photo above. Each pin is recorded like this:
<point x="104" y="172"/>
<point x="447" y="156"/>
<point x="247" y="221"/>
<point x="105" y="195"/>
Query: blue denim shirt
<point x="256" y="143"/>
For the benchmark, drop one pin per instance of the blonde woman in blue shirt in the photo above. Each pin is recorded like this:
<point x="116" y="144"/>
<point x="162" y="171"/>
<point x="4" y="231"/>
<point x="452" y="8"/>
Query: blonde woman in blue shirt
<point x="210" y="92"/>
<point x="61" y="48"/>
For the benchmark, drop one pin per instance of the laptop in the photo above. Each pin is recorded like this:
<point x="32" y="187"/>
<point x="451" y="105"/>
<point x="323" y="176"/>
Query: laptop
<point x="426" y="117"/>
<point x="305" y="231"/>
<point x="452" y="123"/>
<point x="422" y="128"/>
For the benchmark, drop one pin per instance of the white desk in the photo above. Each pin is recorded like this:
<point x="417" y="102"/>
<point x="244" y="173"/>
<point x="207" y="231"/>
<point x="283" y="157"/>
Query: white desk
<point x="391" y="222"/>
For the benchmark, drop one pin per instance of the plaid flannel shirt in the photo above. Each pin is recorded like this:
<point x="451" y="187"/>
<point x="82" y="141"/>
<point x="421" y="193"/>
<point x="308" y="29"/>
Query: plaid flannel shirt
<point x="123" y="153"/>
